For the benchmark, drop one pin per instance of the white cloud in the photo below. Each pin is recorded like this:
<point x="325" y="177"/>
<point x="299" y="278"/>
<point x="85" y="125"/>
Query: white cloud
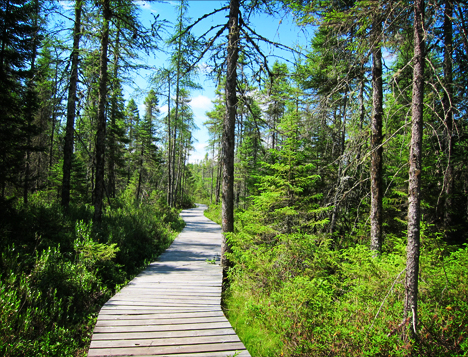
<point x="145" y="5"/>
<point x="201" y="102"/>
<point x="205" y="68"/>
<point x="198" y="152"/>
<point x="163" y="109"/>
<point x="67" y="5"/>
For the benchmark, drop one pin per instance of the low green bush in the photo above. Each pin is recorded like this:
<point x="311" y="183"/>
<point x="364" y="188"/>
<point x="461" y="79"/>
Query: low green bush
<point x="57" y="269"/>
<point x="307" y="298"/>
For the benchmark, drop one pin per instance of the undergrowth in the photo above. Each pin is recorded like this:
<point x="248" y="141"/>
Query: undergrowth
<point x="57" y="269"/>
<point x="307" y="298"/>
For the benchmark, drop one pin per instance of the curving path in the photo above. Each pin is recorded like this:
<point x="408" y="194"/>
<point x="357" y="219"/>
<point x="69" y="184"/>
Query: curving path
<point x="173" y="307"/>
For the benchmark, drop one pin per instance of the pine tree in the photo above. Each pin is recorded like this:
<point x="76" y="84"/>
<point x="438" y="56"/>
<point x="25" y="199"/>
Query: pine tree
<point x="71" y="106"/>
<point x="415" y="171"/>
<point x="18" y="27"/>
<point x="101" y="118"/>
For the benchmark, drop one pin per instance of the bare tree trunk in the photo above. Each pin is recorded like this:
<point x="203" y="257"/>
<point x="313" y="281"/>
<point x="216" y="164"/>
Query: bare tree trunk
<point x="240" y="135"/>
<point x="376" y="143"/>
<point x="113" y="114"/>
<point x="339" y="182"/>
<point x="228" y="140"/>
<point x="362" y="113"/>
<point x="169" y="146"/>
<point x="101" y="125"/>
<point x="173" y="164"/>
<point x="179" y="172"/>
<point x="30" y="100"/>
<point x="175" y="180"/>
<point x="448" y="111"/>
<point x="54" y="119"/>
<point x="218" y="180"/>
<point x="140" y="169"/>
<point x="414" y="187"/>
<point x="71" y="107"/>
<point x="212" y="174"/>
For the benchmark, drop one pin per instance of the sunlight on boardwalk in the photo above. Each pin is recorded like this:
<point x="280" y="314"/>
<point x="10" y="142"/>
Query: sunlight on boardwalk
<point x="173" y="307"/>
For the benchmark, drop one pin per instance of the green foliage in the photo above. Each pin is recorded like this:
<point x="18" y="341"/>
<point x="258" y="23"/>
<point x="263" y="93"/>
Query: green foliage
<point x="57" y="270"/>
<point x="309" y="299"/>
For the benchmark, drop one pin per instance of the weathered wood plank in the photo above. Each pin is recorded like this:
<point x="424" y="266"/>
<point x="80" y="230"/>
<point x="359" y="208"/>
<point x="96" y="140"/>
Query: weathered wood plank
<point x="161" y="334"/>
<point x="136" y="322"/>
<point x="165" y="297"/>
<point x="183" y="315"/>
<point x="122" y="310"/>
<point x="151" y="328"/>
<point x="244" y="353"/>
<point x="138" y="304"/>
<point x="157" y="351"/>
<point x="167" y="291"/>
<point x="175" y="341"/>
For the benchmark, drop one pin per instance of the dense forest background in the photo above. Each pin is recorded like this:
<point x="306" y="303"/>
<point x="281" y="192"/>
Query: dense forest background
<point x="339" y="173"/>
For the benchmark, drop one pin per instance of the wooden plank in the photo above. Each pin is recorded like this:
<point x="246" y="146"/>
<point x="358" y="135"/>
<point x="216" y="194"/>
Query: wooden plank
<point x="165" y="287"/>
<point x="166" y="341"/>
<point x="153" y="328"/>
<point x="168" y="292"/>
<point x="157" y="297"/>
<point x="164" y="310"/>
<point x="158" y="351"/>
<point x="244" y="353"/>
<point x="139" y="321"/>
<point x="183" y="315"/>
<point x="161" y="334"/>
<point x="137" y="304"/>
<point x="152" y="283"/>
<point x="164" y="297"/>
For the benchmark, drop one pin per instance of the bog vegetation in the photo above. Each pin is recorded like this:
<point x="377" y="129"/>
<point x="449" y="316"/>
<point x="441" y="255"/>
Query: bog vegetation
<point x="339" y="174"/>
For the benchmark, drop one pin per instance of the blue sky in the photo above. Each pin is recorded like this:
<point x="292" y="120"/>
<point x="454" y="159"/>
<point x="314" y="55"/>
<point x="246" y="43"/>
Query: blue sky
<point x="280" y="28"/>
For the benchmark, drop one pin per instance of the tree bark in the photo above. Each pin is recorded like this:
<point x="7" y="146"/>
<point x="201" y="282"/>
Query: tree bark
<point x="31" y="104"/>
<point x="101" y="125"/>
<point x="376" y="143"/>
<point x="228" y="140"/>
<point x="140" y="170"/>
<point x="448" y="111"/>
<point x="175" y="179"/>
<point x="414" y="187"/>
<point x="54" y="120"/>
<point x="113" y="114"/>
<point x="219" y="171"/>
<point x="169" y="146"/>
<point x="71" y="107"/>
<point x="339" y="183"/>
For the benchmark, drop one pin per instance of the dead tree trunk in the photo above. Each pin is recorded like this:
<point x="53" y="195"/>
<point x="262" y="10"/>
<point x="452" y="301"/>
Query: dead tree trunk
<point x="414" y="187"/>
<point x="101" y="125"/>
<point x="448" y="111"/>
<point x="376" y="143"/>
<point x="228" y="140"/>
<point x="71" y="107"/>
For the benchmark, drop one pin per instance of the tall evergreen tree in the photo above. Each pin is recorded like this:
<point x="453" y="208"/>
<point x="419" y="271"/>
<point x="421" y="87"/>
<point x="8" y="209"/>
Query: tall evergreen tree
<point x="18" y="28"/>
<point x="415" y="170"/>
<point x="228" y="130"/>
<point x="71" y="106"/>
<point x="101" y="122"/>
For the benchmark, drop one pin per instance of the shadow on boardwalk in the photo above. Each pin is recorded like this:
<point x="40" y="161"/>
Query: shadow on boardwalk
<point x="173" y="307"/>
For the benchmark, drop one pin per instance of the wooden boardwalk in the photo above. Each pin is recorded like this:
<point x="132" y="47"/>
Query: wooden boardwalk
<point x="173" y="307"/>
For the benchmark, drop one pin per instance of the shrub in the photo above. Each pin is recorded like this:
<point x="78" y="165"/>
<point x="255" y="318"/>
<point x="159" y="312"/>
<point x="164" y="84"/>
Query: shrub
<point x="309" y="299"/>
<point x="57" y="269"/>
